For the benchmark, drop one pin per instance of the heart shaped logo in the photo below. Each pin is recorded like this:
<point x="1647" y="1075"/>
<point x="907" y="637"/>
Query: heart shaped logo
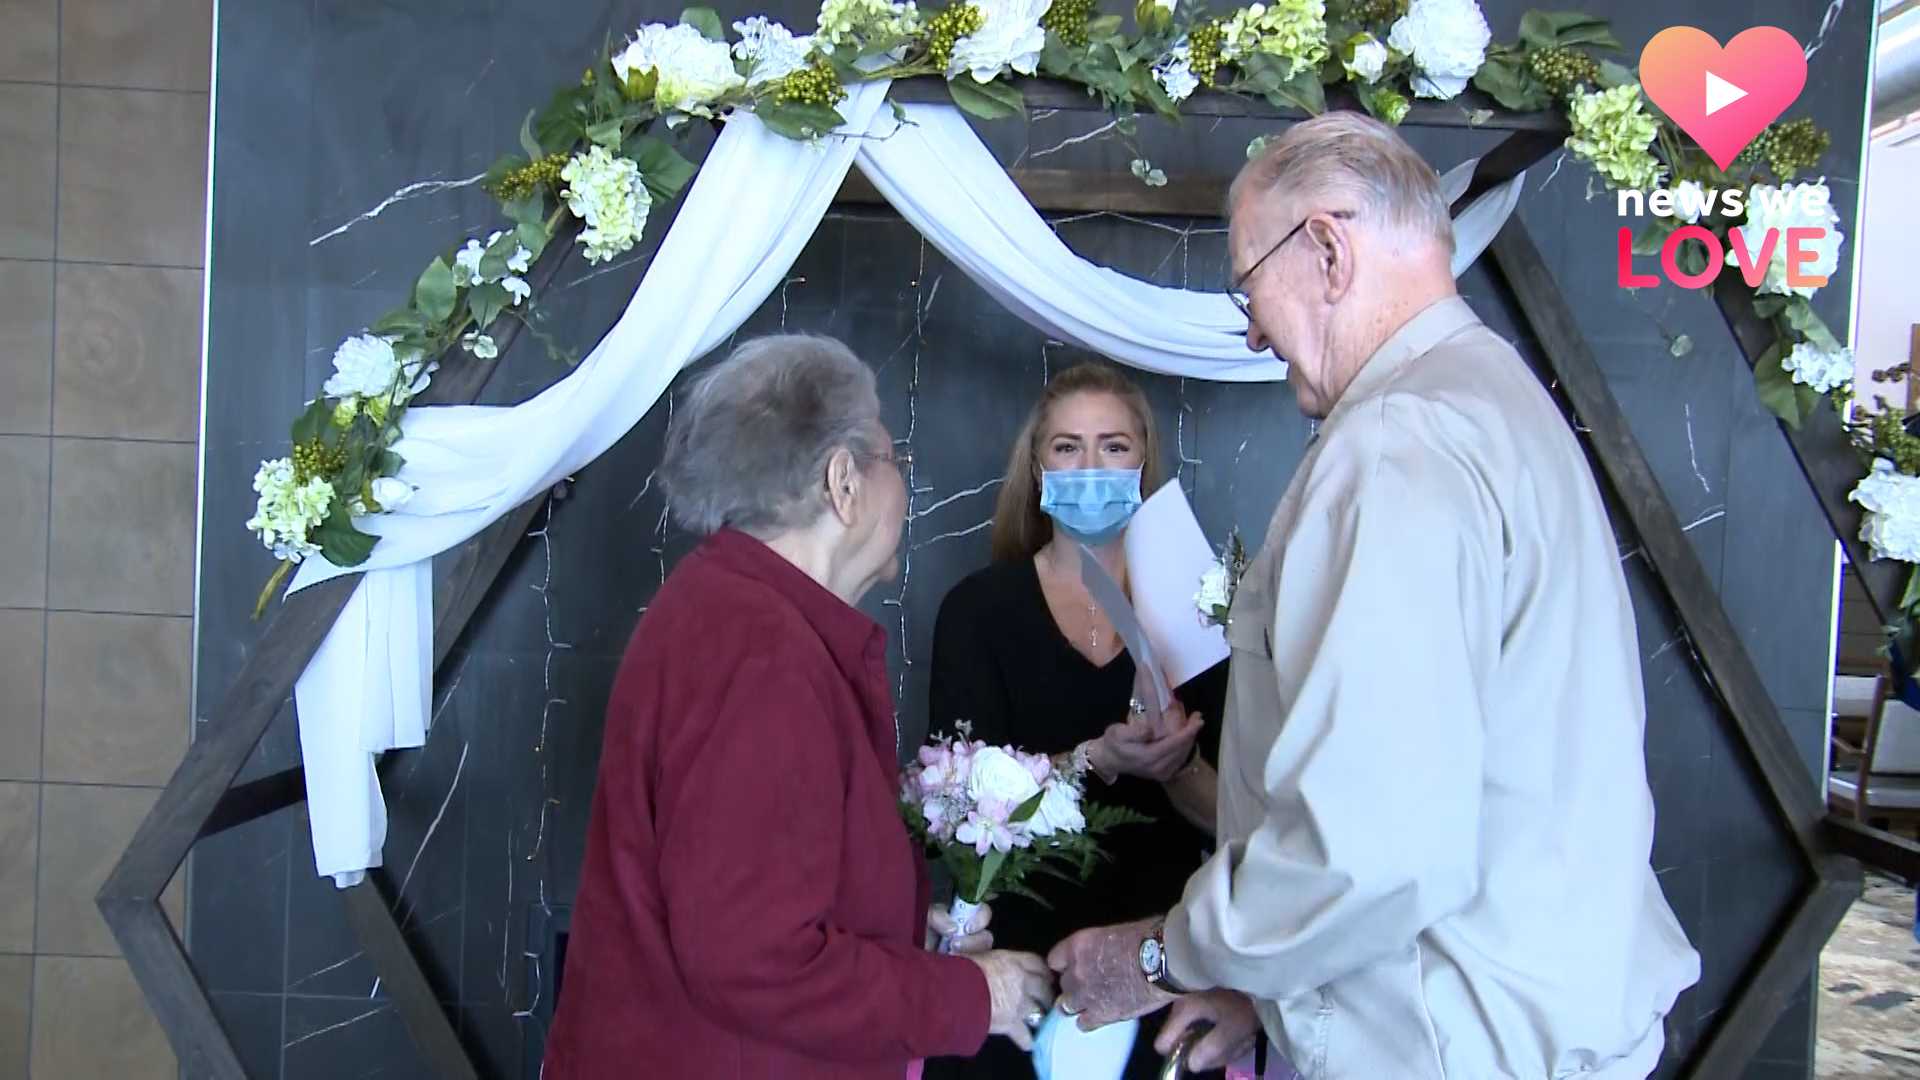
<point x="1724" y="98"/>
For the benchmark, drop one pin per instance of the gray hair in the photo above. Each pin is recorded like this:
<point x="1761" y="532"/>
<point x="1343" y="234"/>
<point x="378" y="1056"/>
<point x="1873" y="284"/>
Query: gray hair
<point x="1353" y="155"/>
<point x="749" y="443"/>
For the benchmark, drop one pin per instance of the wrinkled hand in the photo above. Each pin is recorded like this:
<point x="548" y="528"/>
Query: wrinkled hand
<point x="1020" y="986"/>
<point x="975" y="941"/>
<point x="1100" y="978"/>
<point x="1235" y="1023"/>
<point x="1137" y="747"/>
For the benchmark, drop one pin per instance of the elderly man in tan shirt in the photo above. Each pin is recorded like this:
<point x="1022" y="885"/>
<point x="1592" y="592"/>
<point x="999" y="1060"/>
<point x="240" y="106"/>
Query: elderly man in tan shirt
<point x="1434" y="819"/>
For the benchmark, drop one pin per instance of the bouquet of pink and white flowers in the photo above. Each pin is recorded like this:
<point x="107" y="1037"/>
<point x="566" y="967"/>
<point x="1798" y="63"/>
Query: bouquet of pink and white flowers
<point x="994" y="814"/>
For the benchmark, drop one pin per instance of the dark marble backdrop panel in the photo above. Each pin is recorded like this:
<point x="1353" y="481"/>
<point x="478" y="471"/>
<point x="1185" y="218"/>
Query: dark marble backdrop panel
<point x="347" y="144"/>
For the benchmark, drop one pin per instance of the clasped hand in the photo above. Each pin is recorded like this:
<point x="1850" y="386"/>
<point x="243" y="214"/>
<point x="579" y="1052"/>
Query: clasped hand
<point x="1139" y="747"/>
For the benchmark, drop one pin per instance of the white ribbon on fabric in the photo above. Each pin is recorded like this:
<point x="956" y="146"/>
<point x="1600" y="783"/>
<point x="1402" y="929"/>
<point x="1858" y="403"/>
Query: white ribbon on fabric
<point x="750" y="211"/>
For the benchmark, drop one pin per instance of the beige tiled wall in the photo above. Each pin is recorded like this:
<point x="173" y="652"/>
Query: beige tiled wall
<point x="103" y="129"/>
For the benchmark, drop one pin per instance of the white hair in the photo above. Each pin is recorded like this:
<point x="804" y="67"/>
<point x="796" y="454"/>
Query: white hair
<point x="749" y="444"/>
<point x="1353" y="156"/>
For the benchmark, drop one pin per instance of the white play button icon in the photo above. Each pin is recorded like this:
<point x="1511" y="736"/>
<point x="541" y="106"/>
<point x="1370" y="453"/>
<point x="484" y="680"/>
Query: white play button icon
<point x="1721" y="93"/>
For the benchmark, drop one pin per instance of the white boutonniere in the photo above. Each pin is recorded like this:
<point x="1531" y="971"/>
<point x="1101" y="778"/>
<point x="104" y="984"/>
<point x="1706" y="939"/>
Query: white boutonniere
<point x="1221" y="580"/>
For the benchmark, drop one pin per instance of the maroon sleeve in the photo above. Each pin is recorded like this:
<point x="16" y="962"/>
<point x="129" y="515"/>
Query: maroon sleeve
<point x="753" y="825"/>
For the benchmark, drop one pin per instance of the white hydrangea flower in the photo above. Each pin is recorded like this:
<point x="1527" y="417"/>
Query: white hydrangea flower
<point x="392" y="493"/>
<point x="517" y="288"/>
<point x="1891" y="526"/>
<point x="690" y="72"/>
<point x="467" y="259"/>
<point x="480" y="345"/>
<point x="771" y="51"/>
<point x="1689" y="201"/>
<point x="1783" y="208"/>
<point x="1174" y="73"/>
<point x="1010" y="38"/>
<point x="1447" y="40"/>
<point x="286" y="511"/>
<point x="847" y="21"/>
<point x="1819" y="368"/>
<point x="605" y="191"/>
<point x="364" y="364"/>
<point x="1366" y="59"/>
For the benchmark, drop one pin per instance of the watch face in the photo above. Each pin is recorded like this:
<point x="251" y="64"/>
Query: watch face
<point x="1150" y="958"/>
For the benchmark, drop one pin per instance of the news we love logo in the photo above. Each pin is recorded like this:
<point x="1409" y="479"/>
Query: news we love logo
<point x="1724" y="98"/>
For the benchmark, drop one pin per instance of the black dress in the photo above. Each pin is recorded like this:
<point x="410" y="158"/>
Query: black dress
<point x="1001" y="662"/>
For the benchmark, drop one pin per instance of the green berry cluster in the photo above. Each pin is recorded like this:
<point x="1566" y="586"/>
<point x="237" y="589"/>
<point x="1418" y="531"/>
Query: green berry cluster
<point x="1373" y="12"/>
<point x="1067" y="20"/>
<point x="529" y="178"/>
<point x="1788" y="148"/>
<point x="1891" y="441"/>
<point x="815" y="84"/>
<point x="1561" y="70"/>
<point x="949" y="25"/>
<point x="315" y="458"/>
<point x="1203" y="43"/>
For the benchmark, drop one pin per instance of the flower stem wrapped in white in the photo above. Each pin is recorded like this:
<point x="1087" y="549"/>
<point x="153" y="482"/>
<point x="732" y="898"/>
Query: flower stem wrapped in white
<point x="1447" y="40"/>
<point x="1891" y="526"/>
<point x="771" y="51"/>
<point x="1826" y="370"/>
<point x="605" y="191"/>
<point x="287" y="511"/>
<point x="1795" y="206"/>
<point x="678" y="68"/>
<point x="1011" y="38"/>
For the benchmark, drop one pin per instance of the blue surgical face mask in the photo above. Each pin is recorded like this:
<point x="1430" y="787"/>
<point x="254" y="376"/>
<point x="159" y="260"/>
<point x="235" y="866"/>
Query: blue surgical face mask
<point x="1090" y="505"/>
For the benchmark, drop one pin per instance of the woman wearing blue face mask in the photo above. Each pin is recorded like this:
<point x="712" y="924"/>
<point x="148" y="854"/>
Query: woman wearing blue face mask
<point x="1022" y="652"/>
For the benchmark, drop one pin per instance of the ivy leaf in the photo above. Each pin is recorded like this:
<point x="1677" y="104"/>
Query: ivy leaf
<point x="707" y="21"/>
<point x="1776" y="387"/>
<point x="533" y="237"/>
<point x="1148" y="89"/>
<point x="1912" y="595"/>
<point x="1691" y="257"/>
<point x="1512" y="85"/>
<point x="606" y="133"/>
<point x="563" y="123"/>
<point x="387" y="463"/>
<point x="661" y="166"/>
<point x="530" y="210"/>
<point x="400" y="321"/>
<point x="988" y="101"/>
<point x="340" y="542"/>
<point x="487" y="302"/>
<point x="1579" y="28"/>
<point x="313" y="422"/>
<point x="1056" y="59"/>
<point x="797" y="120"/>
<point x="1302" y="91"/>
<point x="1612" y="75"/>
<point x="433" y="294"/>
<point x="1536" y="29"/>
<point x="528" y="144"/>
<point x="1769" y="306"/>
<point x="1800" y="316"/>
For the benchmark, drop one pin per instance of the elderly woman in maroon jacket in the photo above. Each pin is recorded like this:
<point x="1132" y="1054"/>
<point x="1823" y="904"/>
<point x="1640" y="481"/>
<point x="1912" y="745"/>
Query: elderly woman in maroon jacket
<point x="752" y="905"/>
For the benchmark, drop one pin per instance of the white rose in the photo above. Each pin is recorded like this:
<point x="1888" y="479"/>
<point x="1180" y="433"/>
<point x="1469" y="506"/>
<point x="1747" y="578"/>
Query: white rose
<point x="998" y="775"/>
<point x="1780" y="209"/>
<point x="1059" y="811"/>
<point x="1813" y="366"/>
<point x="1447" y="40"/>
<point x="1369" y="60"/>
<point x="1011" y="38"/>
<point x="364" y="364"/>
<point x="392" y="493"/>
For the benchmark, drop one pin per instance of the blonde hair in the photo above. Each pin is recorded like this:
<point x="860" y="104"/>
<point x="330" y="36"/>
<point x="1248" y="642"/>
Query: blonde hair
<point x="1353" y="155"/>
<point x="1020" y="527"/>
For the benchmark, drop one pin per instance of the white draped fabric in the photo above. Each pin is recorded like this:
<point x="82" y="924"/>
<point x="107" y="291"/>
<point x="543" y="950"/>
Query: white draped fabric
<point x="753" y="206"/>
